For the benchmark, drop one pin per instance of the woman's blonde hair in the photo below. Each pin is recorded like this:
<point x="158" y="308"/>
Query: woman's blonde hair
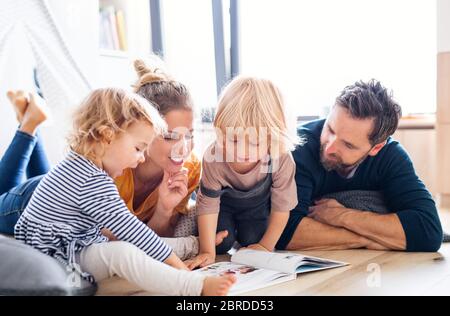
<point x="106" y="113"/>
<point x="250" y="102"/>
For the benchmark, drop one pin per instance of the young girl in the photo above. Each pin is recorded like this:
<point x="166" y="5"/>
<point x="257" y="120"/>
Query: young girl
<point x="78" y="198"/>
<point x="158" y="191"/>
<point x="247" y="186"/>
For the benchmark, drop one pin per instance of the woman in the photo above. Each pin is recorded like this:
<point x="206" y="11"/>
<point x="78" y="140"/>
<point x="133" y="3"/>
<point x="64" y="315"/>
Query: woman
<point x="158" y="190"/>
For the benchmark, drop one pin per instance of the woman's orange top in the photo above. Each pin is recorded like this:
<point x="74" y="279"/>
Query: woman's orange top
<point x="125" y="185"/>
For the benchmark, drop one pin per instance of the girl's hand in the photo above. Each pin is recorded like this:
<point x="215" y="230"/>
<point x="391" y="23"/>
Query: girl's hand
<point x="202" y="260"/>
<point x="172" y="190"/>
<point x="176" y="262"/>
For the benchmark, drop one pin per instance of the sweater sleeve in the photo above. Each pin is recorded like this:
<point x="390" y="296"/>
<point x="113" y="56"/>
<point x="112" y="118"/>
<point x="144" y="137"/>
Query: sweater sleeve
<point x="407" y="196"/>
<point x="305" y="183"/>
<point x="100" y="200"/>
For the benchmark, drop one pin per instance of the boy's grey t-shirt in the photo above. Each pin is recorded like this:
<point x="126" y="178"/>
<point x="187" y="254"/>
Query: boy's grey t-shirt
<point x="217" y="175"/>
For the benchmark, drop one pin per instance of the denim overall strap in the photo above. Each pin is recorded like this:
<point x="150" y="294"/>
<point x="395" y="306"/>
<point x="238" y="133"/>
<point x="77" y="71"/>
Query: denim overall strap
<point x="244" y="214"/>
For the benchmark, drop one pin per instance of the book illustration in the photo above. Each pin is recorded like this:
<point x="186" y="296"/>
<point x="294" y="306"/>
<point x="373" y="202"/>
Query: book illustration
<point x="257" y="269"/>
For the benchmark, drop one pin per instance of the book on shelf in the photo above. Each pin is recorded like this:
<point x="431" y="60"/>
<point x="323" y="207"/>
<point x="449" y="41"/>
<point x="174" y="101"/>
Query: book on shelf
<point x="120" y="19"/>
<point x="257" y="269"/>
<point x="112" y="29"/>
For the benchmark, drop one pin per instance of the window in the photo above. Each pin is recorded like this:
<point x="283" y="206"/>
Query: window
<point x="188" y="39"/>
<point x="314" y="48"/>
<point x="189" y="47"/>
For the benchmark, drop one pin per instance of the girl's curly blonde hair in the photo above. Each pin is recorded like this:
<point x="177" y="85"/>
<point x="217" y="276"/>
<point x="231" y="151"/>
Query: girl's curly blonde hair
<point x="104" y="114"/>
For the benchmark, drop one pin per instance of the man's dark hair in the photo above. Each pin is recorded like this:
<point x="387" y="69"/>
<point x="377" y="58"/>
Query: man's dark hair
<point x="370" y="99"/>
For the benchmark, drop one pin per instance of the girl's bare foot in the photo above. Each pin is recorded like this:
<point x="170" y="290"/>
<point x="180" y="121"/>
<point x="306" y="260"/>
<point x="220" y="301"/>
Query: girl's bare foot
<point x="20" y="103"/>
<point x="33" y="117"/>
<point x="218" y="286"/>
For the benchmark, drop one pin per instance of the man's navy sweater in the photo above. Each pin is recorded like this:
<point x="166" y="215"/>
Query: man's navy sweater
<point x="391" y="171"/>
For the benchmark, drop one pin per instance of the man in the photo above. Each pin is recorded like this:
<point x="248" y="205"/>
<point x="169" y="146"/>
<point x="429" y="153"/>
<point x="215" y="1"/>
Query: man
<point x="353" y="150"/>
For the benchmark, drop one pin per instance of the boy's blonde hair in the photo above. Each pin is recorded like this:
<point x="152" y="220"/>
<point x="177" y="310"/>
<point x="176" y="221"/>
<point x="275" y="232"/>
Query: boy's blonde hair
<point x="250" y="102"/>
<point x="104" y="114"/>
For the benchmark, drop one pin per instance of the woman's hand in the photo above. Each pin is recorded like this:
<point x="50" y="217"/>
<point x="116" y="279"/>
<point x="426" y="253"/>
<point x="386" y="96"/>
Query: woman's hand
<point x="172" y="190"/>
<point x="107" y="233"/>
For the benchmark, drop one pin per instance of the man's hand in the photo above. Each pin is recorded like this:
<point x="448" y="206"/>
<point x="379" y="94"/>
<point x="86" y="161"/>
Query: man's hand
<point x="328" y="211"/>
<point x="382" y="231"/>
<point x="258" y="247"/>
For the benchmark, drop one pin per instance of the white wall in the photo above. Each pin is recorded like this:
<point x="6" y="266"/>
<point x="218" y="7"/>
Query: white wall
<point x="443" y="114"/>
<point x="443" y="11"/>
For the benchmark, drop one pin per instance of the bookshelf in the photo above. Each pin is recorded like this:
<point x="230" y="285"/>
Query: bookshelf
<point x="124" y="28"/>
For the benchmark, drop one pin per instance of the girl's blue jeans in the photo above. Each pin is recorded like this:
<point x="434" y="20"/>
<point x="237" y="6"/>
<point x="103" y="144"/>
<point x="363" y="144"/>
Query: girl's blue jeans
<point x="21" y="168"/>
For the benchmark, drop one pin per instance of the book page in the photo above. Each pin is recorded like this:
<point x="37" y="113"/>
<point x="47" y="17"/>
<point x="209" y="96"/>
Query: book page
<point x="286" y="262"/>
<point x="248" y="277"/>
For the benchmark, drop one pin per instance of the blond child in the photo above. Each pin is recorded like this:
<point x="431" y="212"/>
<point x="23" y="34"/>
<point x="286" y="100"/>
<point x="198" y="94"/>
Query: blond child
<point x="78" y="199"/>
<point x="247" y="186"/>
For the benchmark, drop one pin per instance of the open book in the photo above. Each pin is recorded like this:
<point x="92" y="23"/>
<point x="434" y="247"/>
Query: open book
<point x="257" y="269"/>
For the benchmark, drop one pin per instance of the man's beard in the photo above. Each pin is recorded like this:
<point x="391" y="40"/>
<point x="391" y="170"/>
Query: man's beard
<point x="338" y="165"/>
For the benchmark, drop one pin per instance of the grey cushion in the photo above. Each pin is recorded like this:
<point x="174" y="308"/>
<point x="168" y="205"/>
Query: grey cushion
<point x="372" y="201"/>
<point x="26" y="271"/>
<point x="446" y="238"/>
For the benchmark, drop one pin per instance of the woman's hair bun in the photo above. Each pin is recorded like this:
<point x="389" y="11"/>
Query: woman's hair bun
<point x="146" y="75"/>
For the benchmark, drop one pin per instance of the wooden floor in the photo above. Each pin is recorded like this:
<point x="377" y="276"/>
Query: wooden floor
<point x="369" y="273"/>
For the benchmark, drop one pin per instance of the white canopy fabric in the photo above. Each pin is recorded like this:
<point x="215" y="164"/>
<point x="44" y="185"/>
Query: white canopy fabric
<point x="30" y="39"/>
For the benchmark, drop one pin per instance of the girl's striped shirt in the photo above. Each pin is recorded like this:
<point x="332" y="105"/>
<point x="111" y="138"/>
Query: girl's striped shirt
<point x="71" y="205"/>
